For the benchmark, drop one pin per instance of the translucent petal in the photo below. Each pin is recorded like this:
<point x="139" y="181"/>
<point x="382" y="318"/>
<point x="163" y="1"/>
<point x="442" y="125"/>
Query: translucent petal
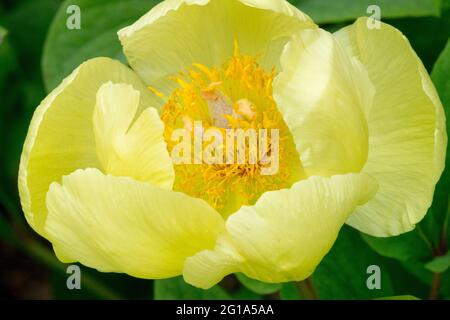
<point x="324" y="97"/>
<point x="407" y="138"/>
<point x="135" y="150"/>
<point x="60" y="138"/>
<point x="284" y="236"/>
<point x="117" y="224"/>
<point x="175" y="34"/>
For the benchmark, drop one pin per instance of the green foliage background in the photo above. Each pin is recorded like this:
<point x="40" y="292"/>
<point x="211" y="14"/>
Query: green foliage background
<point x="37" y="51"/>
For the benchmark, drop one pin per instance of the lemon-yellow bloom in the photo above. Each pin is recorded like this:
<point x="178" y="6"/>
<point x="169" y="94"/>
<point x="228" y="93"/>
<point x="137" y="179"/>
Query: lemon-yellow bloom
<point x="361" y="131"/>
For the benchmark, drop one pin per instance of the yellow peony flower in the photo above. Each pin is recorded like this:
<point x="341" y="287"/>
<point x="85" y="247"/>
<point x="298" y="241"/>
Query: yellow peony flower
<point x="361" y="130"/>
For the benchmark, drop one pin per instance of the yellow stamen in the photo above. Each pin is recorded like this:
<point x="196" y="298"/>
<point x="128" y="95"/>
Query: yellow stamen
<point x="156" y="92"/>
<point x="237" y="94"/>
<point x="205" y="70"/>
<point x="245" y="108"/>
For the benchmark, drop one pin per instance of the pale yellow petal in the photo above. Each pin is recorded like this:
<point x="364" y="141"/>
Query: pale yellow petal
<point x="284" y="236"/>
<point x="440" y="132"/>
<point x="324" y="97"/>
<point x="117" y="224"/>
<point x="136" y="150"/>
<point x="175" y="34"/>
<point x="61" y="137"/>
<point x="407" y="138"/>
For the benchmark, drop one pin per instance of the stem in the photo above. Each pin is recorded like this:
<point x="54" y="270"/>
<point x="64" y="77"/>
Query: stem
<point x="440" y="250"/>
<point x="307" y="290"/>
<point x="435" y="286"/>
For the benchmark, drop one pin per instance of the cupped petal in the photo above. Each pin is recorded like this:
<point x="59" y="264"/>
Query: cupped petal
<point x="324" y="96"/>
<point x="117" y="224"/>
<point x="60" y="138"/>
<point x="175" y="34"/>
<point x="136" y="150"/>
<point x="407" y="136"/>
<point x="284" y="236"/>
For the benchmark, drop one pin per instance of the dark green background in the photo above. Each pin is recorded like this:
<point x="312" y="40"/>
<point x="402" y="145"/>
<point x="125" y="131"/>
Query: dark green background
<point x="38" y="51"/>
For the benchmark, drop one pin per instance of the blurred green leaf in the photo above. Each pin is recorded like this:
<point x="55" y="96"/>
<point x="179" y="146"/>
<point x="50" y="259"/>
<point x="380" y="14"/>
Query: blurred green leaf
<point x="44" y="255"/>
<point x="21" y="87"/>
<point x="406" y="297"/>
<point x="408" y="246"/>
<point x="331" y="11"/>
<point x="439" y="264"/>
<point x="413" y="249"/>
<point x="403" y="249"/>
<point x="28" y="23"/>
<point x="428" y="35"/>
<point x="7" y="233"/>
<point x="441" y="79"/>
<point x="10" y="94"/>
<point x="258" y="286"/>
<point x="245" y="294"/>
<point x="177" y="289"/>
<point x="343" y="272"/>
<point x="290" y="291"/>
<point x="445" y="284"/>
<point x="445" y="4"/>
<point x="60" y="291"/>
<point x="430" y="228"/>
<point x="16" y="131"/>
<point x="8" y="64"/>
<point x="100" y="20"/>
<point x="418" y="269"/>
<point x="426" y="276"/>
<point x="106" y="286"/>
<point x="3" y="34"/>
<point x="404" y="282"/>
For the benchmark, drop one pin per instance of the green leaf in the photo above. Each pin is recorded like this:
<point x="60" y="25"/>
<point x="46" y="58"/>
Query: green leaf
<point x="245" y="294"/>
<point x="290" y="291"/>
<point x="65" y="49"/>
<point x="343" y="272"/>
<point x="3" y="34"/>
<point x="177" y="289"/>
<point x="331" y="11"/>
<point x="430" y="228"/>
<point x="405" y="297"/>
<point x="439" y="264"/>
<point x="8" y="63"/>
<point x="10" y="94"/>
<point x="428" y="35"/>
<point x="258" y="286"/>
<point x="413" y="249"/>
<point x="441" y="79"/>
<point x="404" y="282"/>
<point x="408" y="246"/>
<point x="445" y="4"/>
<point x="21" y="87"/>
<point x="7" y="233"/>
<point x="93" y="287"/>
<point x="99" y="286"/>
<point x="419" y="270"/>
<point x="28" y="23"/>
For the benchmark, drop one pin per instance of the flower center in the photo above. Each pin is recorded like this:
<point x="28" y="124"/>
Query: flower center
<point x="256" y="152"/>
